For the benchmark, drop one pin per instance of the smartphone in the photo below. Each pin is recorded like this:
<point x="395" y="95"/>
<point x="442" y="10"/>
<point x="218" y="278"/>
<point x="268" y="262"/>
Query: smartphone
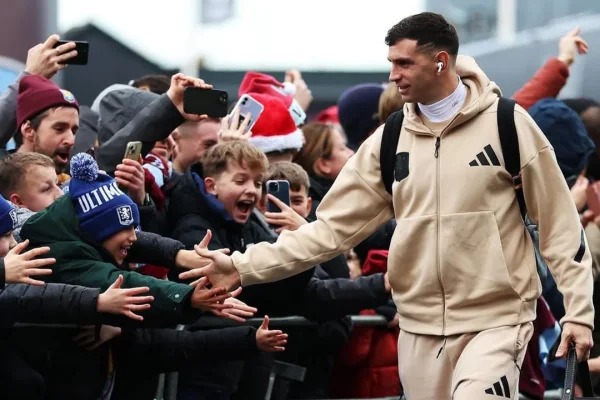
<point x="133" y="151"/>
<point x="593" y="197"/>
<point x="205" y="101"/>
<point x="83" y="49"/>
<point x="248" y="105"/>
<point x="281" y="190"/>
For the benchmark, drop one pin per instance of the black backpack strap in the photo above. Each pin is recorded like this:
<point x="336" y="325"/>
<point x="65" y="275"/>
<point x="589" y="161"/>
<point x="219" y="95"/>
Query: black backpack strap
<point x="389" y="144"/>
<point x="509" y="140"/>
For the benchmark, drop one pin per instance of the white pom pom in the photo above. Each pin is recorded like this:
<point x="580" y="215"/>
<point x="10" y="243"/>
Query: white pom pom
<point x="289" y="88"/>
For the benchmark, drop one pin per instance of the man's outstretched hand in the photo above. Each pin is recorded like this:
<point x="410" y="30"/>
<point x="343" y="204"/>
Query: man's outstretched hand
<point x="221" y="272"/>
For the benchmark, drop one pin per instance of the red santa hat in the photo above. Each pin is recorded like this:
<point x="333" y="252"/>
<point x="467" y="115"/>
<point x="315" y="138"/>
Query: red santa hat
<point x="256" y="82"/>
<point x="275" y="129"/>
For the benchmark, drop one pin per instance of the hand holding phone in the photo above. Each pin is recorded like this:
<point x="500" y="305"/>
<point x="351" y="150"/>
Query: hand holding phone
<point x="280" y="190"/>
<point x="235" y="127"/>
<point x="133" y="151"/>
<point x="200" y="101"/>
<point x="248" y="107"/>
<point x="46" y="59"/>
<point x="281" y="217"/>
<point x="179" y="82"/>
<point x="82" y="48"/>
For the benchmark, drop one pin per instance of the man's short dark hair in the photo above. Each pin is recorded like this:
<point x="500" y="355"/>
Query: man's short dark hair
<point x="430" y="30"/>
<point x="158" y="84"/>
<point x="35" y="123"/>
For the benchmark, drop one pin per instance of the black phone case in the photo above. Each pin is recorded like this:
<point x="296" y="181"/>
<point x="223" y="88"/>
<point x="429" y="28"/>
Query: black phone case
<point x="83" y="50"/>
<point x="205" y="101"/>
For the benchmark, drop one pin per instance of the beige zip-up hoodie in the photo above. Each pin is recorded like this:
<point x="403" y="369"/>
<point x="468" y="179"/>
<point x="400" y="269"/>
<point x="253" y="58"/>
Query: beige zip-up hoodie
<point x="460" y="259"/>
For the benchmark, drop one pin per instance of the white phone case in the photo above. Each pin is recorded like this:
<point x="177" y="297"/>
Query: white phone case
<point x="246" y="104"/>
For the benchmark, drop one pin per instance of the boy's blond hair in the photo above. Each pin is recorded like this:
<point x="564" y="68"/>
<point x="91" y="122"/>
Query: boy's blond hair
<point x="390" y="101"/>
<point x="14" y="168"/>
<point x="217" y="158"/>
<point x="288" y="171"/>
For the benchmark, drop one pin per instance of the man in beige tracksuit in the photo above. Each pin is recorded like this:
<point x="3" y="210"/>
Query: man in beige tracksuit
<point x="461" y="263"/>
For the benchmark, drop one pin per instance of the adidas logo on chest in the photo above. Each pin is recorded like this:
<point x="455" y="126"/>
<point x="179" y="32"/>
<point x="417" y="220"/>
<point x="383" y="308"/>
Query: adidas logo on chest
<point x="487" y="157"/>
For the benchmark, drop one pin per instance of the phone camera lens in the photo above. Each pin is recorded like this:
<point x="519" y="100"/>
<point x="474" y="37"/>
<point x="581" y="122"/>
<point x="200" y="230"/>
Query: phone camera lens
<point x="274" y="186"/>
<point x="223" y="99"/>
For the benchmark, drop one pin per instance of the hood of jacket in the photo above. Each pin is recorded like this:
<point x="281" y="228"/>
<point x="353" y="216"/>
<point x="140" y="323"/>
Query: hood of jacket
<point x="65" y="239"/>
<point x="118" y="108"/>
<point x="87" y="132"/>
<point x="483" y="93"/>
<point x="22" y="214"/>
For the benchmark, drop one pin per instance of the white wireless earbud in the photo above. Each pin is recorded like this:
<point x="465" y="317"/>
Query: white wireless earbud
<point x="440" y="66"/>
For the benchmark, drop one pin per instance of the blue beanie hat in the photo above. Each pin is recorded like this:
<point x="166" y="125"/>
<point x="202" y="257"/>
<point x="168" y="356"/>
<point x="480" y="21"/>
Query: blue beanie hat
<point x="102" y="208"/>
<point x="8" y="217"/>
<point x="357" y="111"/>
<point x="566" y="133"/>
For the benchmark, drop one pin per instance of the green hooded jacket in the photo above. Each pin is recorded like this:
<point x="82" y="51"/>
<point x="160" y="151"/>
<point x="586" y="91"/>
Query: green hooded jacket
<point x="80" y="261"/>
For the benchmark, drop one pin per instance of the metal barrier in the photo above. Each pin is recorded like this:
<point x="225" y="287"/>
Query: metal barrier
<point x="285" y="322"/>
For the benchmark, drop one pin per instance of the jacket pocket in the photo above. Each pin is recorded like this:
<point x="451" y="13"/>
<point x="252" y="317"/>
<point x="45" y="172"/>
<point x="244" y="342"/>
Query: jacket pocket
<point x="413" y="274"/>
<point x="473" y="267"/>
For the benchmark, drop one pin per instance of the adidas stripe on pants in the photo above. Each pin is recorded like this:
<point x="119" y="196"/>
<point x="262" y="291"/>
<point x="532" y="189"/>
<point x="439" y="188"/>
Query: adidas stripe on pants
<point x="478" y="366"/>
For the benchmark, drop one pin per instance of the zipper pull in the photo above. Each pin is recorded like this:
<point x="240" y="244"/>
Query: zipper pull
<point x="437" y="147"/>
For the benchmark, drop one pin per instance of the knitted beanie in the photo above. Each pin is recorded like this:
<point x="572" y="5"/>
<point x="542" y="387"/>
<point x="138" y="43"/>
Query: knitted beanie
<point x="102" y="208"/>
<point x="8" y="216"/>
<point x="37" y="94"/>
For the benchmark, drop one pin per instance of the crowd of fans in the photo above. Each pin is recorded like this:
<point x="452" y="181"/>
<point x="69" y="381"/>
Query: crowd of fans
<point x="102" y="242"/>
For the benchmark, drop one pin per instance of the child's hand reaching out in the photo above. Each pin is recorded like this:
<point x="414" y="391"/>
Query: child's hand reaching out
<point x="124" y="301"/>
<point x="270" y="341"/>
<point x="19" y="268"/>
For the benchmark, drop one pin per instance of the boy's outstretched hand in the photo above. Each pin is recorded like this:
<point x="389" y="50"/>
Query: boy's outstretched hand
<point x="270" y="341"/>
<point x="220" y="272"/>
<point x="239" y="310"/>
<point x="18" y="268"/>
<point x="124" y="301"/>
<point x="209" y="300"/>
<point x="189" y="259"/>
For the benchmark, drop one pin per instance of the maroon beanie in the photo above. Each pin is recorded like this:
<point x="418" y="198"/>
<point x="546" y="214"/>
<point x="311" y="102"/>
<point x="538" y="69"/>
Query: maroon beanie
<point x="37" y="94"/>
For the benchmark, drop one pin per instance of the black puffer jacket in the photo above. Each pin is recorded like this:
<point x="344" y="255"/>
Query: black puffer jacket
<point x="52" y="303"/>
<point x="192" y="213"/>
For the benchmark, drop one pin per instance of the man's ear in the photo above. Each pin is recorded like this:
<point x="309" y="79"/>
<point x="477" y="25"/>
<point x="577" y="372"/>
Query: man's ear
<point x="308" y="205"/>
<point x="16" y="200"/>
<point x="27" y="132"/>
<point x="211" y="185"/>
<point x="444" y="58"/>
